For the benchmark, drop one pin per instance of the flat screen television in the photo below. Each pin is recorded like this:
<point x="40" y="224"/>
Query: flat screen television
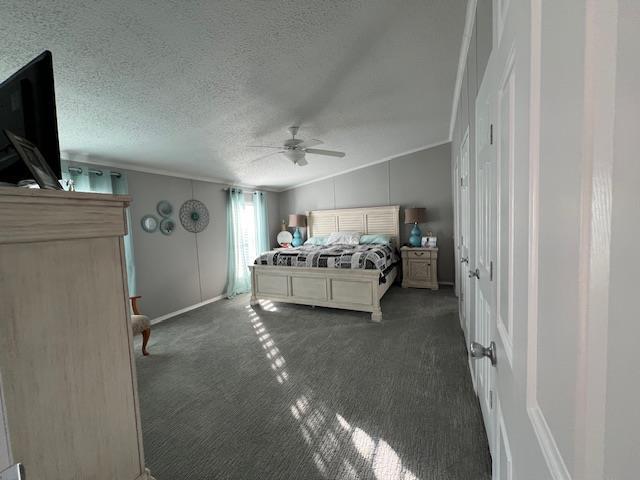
<point x="28" y="109"/>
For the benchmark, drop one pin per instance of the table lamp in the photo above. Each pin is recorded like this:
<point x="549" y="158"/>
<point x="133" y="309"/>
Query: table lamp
<point x="297" y="221"/>
<point x="415" y="215"/>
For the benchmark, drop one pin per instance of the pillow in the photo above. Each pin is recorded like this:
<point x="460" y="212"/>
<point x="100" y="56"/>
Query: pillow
<point x="375" y="240"/>
<point x="317" y="240"/>
<point x="344" y="238"/>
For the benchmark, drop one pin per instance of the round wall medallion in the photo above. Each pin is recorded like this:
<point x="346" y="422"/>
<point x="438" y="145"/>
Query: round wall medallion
<point x="167" y="226"/>
<point x="194" y="216"/>
<point x="149" y="223"/>
<point x="164" y="208"/>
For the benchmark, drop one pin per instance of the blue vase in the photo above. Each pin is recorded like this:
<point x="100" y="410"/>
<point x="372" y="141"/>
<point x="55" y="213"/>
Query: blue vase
<point x="297" y="238"/>
<point x="415" y="240"/>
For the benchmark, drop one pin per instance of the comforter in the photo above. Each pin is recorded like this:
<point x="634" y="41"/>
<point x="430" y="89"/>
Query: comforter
<point x="368" y="257"/>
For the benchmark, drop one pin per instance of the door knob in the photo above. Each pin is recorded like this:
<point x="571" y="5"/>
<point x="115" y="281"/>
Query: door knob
<point x="480" y="351"/>
<point x="474" y="273"/>
<point x="464" y="260"/>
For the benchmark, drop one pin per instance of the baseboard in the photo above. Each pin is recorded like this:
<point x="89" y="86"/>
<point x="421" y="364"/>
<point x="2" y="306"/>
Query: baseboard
<point x="186" y="309"/>
<point x="448" y="284"/>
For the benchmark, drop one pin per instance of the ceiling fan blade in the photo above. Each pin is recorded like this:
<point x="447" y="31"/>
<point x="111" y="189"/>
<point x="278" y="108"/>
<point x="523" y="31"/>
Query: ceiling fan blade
<point x="330" y="153"/>
<point x="265" y="156"/>
<point x="302" y="162"/>
<point x="264" y="146"/>
<point x="310" y="143"/>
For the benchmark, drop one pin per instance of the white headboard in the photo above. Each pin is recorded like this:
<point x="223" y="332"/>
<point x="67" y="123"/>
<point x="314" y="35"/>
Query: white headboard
<point x="366" y="220"/>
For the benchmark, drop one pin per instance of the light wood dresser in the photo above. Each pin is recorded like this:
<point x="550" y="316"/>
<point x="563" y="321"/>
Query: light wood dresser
<point x="419" y="267"/>
<point x="66" y="360"/>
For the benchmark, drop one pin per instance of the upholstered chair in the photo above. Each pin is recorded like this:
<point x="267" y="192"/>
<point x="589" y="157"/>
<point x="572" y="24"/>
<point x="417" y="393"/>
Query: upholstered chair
<point x="140" y="324"/>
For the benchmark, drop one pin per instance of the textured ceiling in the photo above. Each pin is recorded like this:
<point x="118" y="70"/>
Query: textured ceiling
<point x="186" y="86"/>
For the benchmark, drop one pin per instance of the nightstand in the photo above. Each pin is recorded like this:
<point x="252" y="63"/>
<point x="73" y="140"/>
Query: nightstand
<point x="419" y="267"/>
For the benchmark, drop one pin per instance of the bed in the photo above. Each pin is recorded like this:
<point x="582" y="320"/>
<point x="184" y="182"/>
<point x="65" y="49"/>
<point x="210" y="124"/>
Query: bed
<point x="325" y="280"/>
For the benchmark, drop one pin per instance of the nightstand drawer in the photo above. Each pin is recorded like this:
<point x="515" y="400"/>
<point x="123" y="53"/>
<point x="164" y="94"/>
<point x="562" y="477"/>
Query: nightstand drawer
<point x="419" y="254"/>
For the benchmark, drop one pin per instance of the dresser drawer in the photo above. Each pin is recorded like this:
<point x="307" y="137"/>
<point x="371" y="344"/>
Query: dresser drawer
<point x="418" y="254"/>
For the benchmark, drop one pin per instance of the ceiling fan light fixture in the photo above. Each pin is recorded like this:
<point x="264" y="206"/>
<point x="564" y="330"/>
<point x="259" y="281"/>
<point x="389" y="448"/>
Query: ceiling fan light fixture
<point x="293" y="155"/>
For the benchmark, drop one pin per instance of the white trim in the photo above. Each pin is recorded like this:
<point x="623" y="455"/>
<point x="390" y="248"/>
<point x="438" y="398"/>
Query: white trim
<point x="229" y="183"/>
<point x="546" y="441"/>
<point x="462" y="61"/>
<point x="156" y="171"/>
<point x="502" y="438"/>
<point x="600" y="67"/>
<point x="385" y="159"/>
<point x="449" y="284"/>
<point x="548" y="445"/>
<point x="162" y="318"/>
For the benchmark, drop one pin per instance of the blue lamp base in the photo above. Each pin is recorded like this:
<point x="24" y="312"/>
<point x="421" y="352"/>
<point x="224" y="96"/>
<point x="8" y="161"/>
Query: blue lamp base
<point x="415" y="240"/>
<point x="297" y="238"/>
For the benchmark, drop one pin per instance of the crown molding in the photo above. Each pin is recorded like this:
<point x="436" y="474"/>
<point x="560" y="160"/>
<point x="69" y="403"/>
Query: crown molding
<point x="157" y="171"/>
<point x="462" y="61"/>
<point x="360" y="167"/>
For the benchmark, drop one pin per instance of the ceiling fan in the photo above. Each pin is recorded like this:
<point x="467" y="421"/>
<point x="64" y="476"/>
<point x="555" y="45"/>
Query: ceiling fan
<point x="295" y="149"/>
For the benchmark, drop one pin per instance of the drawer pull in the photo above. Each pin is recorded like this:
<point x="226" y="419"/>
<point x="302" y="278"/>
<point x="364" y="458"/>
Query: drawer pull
<point x="418" y="254"/>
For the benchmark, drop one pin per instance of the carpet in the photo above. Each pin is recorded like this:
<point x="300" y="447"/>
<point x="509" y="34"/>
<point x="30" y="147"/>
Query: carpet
<point x="294" y="392"/>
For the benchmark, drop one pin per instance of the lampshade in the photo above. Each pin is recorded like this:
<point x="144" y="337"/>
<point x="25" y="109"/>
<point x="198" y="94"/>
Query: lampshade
<point x="296" y="220"/>
<point x="415" y="215"/>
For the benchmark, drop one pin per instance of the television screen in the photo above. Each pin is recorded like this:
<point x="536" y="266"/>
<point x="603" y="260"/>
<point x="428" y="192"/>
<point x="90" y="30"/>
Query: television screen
<point x="28" y="109"/>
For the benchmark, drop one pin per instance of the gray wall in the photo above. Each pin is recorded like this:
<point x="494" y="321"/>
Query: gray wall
<point x="183" y="269"/>
<point x="177" y="271"/>
<point x="420" y="179"/>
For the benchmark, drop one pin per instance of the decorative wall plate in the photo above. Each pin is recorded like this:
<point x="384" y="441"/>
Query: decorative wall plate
<point x="149" y="223"/>
<point x="284" y="238"/>
<point x="167" y="226"/>
<point x="194" y="216"/>
<point x="164" y="208"/>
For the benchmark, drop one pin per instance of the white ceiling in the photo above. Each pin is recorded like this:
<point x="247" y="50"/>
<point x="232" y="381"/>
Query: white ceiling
<point x="186" y="86"/>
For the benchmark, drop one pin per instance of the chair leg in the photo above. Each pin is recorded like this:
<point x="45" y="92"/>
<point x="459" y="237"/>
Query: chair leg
<point x="145" y="338"/>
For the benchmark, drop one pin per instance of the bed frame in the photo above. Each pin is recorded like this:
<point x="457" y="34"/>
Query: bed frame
<point x="330" y="287"/>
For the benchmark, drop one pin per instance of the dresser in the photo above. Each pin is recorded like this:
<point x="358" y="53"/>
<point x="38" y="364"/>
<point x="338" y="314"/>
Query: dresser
<point x="419" y="267"/>
<point x="67" y="368"/>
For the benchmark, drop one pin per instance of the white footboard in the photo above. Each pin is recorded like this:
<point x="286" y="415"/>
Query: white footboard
<point x="348" y="289"/>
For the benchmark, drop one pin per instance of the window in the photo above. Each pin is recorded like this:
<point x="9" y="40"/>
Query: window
<point x="248" y="248"/>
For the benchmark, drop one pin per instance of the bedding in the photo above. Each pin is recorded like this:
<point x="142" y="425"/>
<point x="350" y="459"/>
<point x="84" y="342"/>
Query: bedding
<point x="375" y="239"/>
<point x="368" y="257"/>
<point x="317" y="240"/>
<point x="344" y="238"/>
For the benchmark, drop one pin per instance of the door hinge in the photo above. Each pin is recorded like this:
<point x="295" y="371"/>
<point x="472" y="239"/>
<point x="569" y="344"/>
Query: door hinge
<point x="491" y="399"/>
<point x="491" y="134"/>
<point x="491" y="271"/>
<point x="461" y="182"/>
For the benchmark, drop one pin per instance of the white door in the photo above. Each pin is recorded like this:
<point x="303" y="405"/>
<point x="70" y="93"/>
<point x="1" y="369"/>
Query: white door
<point x="465" y="222"/>
<point x="544" y="129"/>
<point x="485" y="252"/>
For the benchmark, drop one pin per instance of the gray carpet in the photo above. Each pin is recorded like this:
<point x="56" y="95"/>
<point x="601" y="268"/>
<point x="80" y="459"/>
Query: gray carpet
<point x="291" y="392"/>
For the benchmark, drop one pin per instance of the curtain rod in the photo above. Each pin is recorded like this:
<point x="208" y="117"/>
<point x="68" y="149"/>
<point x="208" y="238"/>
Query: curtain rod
<point x="245" y="190"/>
<point x="94" y="171"/>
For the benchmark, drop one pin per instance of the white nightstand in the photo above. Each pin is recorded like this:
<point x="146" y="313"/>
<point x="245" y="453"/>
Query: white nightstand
<point x="419" y="267"/>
